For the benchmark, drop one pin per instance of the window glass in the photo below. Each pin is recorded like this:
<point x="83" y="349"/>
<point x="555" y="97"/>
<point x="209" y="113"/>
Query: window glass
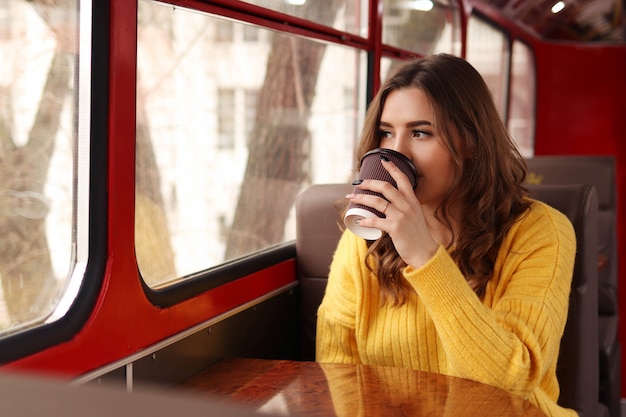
<point x="422" y="26"/>
<point x="522" y="98"/>
<point x="224" y="31"/>
<point x="488" y="51"/>
<point x="226" y="110"/>
<point x="41" y="244"/>
<point x="344" y="15"/>
<point x="291" y="108"/>
<point x="251" y="97"/>
<point x="388" y="67"/>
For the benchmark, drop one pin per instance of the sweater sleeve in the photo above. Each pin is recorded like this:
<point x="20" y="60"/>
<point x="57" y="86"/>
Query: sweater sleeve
<point x="336" y="316"/>
<point x="511" y="339"/>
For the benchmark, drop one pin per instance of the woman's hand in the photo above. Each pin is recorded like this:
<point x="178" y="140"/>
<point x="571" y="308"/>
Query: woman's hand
<point x="405" y="221"/>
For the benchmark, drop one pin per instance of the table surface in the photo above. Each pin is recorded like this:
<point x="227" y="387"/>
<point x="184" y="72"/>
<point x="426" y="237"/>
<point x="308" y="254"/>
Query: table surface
<point x="293" y="388"/>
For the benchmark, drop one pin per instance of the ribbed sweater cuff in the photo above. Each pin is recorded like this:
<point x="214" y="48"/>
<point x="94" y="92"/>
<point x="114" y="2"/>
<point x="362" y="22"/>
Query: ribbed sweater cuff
<point x="432" y="289"/>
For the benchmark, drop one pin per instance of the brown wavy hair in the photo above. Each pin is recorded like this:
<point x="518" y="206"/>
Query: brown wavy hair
<point x="489" y="171"/>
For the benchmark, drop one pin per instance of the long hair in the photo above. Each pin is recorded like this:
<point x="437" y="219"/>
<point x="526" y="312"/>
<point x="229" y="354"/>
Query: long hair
<point x="489" y="171"/>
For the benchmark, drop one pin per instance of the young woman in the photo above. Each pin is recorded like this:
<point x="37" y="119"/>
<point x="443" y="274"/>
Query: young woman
<point x="471" y="277"/>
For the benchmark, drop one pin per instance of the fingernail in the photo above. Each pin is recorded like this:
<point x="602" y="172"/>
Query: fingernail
<point x="357" y="182"/>
<point x="384" y="158"/>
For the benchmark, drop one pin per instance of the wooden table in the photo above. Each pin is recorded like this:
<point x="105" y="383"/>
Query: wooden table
<point x="291" y="388"/>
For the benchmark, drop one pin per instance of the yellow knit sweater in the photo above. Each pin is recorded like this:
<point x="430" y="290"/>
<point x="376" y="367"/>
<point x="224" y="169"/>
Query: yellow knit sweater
<point x="510" y="339"/>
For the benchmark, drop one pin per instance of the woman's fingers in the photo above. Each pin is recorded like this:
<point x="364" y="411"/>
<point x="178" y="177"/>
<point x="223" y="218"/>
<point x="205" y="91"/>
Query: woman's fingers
<point x="404" y="185"/>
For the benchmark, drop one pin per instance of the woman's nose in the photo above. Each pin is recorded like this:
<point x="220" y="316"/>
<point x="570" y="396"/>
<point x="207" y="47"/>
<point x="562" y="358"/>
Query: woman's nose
<point x="400" y="145"/>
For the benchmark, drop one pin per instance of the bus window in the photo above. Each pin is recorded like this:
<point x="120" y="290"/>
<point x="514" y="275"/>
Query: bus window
<point x="233" y="120"/>
<point x="422" y="26"/>
<point x="521" y="121"/>
<point x="488" y="51"/>
<point x="345" y="15"/>
<point x="43" y="222"/>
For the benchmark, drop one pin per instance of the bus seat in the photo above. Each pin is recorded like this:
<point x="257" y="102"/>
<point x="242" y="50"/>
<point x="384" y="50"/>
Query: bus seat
<point x="599" y="171"/>
<point x="578" y="376"/>
<point x="319" y="228"/>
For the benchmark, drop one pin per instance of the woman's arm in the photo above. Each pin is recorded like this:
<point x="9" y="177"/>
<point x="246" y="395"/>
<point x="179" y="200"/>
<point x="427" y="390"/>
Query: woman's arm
<point x="511" y="339"/>
<point x="335" y="339"/>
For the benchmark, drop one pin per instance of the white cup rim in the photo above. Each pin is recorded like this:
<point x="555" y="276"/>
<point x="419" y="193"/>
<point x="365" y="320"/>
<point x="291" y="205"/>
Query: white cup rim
<point x="351" y="219"/>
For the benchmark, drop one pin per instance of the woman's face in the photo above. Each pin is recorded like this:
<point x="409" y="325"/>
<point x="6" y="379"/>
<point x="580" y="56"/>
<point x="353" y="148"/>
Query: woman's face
<point x="407" y="125"/>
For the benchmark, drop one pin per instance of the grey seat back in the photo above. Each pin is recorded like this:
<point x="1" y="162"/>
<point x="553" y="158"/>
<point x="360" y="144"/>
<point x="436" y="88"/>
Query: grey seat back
<point x="318" y="229"/>
<point x="599" y="171"/>
<point x="578" y="369"/>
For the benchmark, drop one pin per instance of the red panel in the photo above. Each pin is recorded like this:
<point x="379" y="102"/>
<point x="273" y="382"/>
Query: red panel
<point x="580" y="93"/>
<point x="125" y="321"/>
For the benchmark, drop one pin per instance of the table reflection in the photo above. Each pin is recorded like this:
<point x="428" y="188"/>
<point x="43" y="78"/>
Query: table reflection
<point x="291" y="388"/>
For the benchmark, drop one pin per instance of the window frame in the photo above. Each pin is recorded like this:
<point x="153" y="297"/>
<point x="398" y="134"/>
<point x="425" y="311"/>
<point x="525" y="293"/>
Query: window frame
<point x="81" y="295"/>
<point x="187" y="286"/>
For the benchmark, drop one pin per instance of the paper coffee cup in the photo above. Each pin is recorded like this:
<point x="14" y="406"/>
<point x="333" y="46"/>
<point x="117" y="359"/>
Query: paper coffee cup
<point x="352" y="218"/>
<point x="372" y="168"/>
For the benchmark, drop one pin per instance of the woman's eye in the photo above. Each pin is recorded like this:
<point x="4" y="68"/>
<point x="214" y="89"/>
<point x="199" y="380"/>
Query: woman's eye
<point x="384" y="134"/>
<point x="421" y="134"/>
